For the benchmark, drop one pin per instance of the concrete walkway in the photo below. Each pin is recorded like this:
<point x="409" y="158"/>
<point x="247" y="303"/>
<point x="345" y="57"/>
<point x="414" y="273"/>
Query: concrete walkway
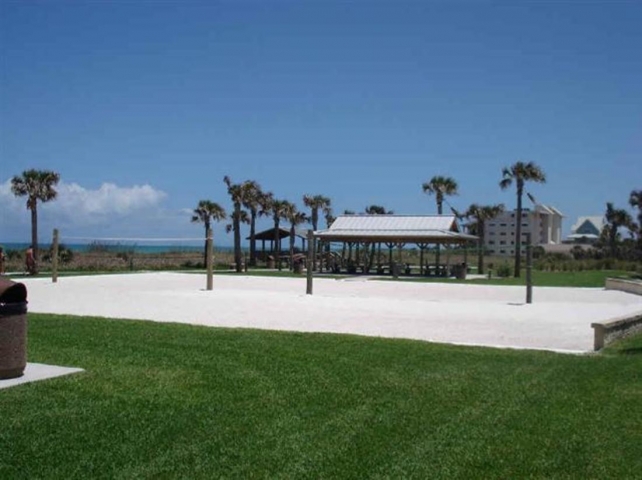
<point x="38" y="371"/>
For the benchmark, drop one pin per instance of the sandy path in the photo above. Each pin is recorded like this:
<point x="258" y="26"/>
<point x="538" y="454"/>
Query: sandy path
<point x="559" y="319"/>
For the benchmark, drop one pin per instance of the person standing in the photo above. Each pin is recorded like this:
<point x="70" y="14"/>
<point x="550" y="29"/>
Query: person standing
<point x="2" y="258"/>
<point x="30" y="262"/>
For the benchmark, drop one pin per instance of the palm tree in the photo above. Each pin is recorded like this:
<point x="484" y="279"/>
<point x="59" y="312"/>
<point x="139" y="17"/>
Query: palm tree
<point x="316" y="203"/>
<point x="440" y="187"/>
<point x="329" y="218"/>
<point x="520" y="173"/>
<point x="377" y="210"/>
<point x="243" y="218"/>
<point x="616" y="218"/>
<point x="35" y="185"/>
<point x="253" y="200"/>
<point x="635" y="200"/>
<point x="278" y="209"/>
<point x="480" y="214"/>
<point x="204" y="213"/>
<point x="238" y="193"/>
<point x="295" y="217"/>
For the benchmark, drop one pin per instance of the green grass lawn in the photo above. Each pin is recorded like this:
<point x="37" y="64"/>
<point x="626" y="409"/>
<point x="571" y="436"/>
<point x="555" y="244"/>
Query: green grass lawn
<point x="179" y="401"/>
<point x="586" y="278"/>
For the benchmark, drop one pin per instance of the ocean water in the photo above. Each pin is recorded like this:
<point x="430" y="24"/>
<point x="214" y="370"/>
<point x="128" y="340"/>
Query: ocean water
<point x="119" y="247"/>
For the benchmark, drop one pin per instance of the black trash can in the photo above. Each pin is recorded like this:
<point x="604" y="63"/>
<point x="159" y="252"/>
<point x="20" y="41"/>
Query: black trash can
<point x="13" y="329"/>
<point x="396" y="270"/>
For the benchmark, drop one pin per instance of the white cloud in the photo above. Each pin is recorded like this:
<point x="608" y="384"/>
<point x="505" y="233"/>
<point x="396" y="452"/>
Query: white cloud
<point x="109" y="199"/>
<point x="108" y="210"/>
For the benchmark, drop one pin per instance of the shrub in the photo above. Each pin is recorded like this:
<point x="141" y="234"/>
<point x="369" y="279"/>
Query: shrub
<point x="503" y="270"/>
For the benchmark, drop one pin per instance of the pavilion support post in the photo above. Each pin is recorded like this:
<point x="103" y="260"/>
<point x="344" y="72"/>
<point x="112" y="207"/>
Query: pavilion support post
<point x="422" y="248"/>
<point x="466" y="253"/>
<point x="309" y="269"/>
<point x="400" y="255"/>
<point x="447" y="248"/>
<point x="390" y="247"/>
<point x="370" y="247"/>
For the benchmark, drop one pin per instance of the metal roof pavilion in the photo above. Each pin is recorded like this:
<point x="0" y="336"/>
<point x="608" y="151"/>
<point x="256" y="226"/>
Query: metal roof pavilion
<point x="395" y="229"/>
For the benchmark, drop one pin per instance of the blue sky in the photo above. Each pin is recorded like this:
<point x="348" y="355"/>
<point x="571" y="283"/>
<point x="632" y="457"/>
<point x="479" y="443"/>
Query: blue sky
<point x="143" y="107"/>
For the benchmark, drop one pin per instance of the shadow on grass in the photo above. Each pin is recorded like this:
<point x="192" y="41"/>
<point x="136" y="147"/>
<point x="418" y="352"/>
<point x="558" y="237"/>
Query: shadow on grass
<point x="630" y="351"/>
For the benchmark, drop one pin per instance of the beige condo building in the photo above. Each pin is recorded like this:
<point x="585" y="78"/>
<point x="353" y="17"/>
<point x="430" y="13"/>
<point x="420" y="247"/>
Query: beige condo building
<point x="543" y="224"/>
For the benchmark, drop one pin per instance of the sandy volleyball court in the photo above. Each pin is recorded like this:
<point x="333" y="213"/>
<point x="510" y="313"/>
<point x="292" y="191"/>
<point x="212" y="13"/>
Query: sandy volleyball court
<point x="559" y="319"/>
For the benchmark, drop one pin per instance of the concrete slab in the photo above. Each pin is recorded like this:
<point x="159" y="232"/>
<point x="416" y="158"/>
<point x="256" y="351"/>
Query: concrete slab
<point x="39" y="371"/>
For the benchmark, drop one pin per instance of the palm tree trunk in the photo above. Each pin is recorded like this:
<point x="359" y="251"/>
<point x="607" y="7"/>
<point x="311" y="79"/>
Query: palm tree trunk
<point x="315" y="221"/>
<point x="438" y="253"/>
<point x="518" y="233"/>
<point x="207" y="227"/>
<point x="292" y="248"/>
<point x="372" y="257"/>
<point x="277" y="244"/>
<point x="480" y="248"/>
<point x="613" y="239"/>
<point x="34" y="231"/>
<point x="237" y="238"/>
<point x="253" y="238"/>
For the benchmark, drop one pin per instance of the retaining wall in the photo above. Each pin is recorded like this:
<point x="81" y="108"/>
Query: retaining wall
<point x="607" y="332"/>
<point x="629" y="286"/>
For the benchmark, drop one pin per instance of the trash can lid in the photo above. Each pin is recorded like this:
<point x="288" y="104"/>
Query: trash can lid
<point x="12" y="292"/>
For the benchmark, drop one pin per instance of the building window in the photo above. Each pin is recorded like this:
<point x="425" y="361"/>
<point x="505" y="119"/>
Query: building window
<point x="491" y="224"/>
<point x="502" y="224"/>
<point x="502" y="242"/>
<point x="502" y="251"/>
<point x="491" y="242"/>
<point x="524" y="224"/>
